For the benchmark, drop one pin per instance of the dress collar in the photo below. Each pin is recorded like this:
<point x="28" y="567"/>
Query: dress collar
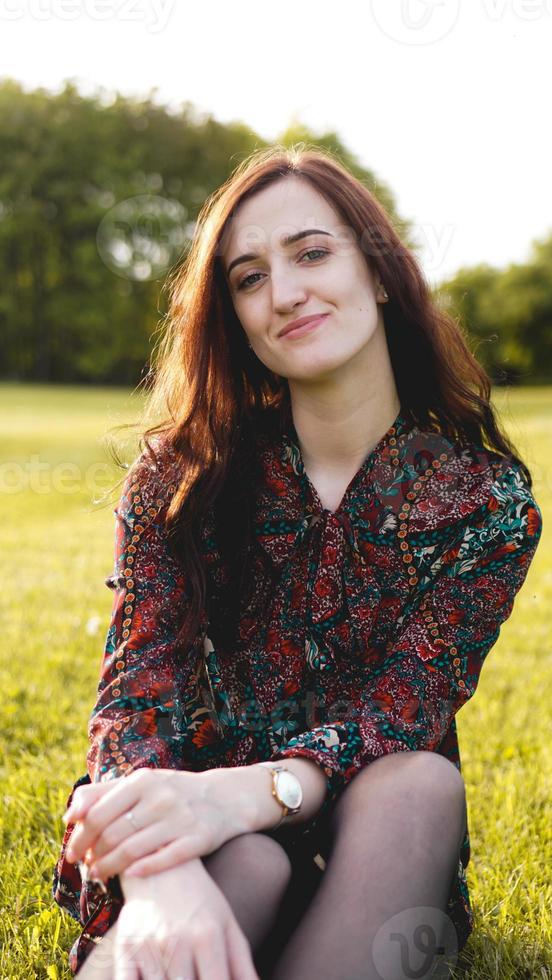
<point x="412" y="479"/>
<point x="288" y="506"/>
<point x="291" y="454"/>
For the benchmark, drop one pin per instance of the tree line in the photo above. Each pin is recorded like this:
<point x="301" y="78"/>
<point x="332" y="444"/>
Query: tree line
<point x="98" y="199"/>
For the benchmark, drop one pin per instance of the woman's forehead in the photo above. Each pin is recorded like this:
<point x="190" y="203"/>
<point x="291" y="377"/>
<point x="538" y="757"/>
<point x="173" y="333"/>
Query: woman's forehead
<point x="275" y="213"/>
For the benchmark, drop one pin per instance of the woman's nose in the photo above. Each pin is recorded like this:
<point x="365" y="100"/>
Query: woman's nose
<point x="288" y="290"/>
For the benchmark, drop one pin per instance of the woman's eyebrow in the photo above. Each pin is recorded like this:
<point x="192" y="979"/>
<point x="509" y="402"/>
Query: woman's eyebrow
<point x="286" y="241"/>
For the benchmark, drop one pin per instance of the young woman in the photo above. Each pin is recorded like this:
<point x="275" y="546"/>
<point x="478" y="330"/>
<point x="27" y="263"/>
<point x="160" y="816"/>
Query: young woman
<point x="315" y="551"/>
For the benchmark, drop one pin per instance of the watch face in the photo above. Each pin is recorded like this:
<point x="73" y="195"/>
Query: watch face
<point x="289" y="790"/>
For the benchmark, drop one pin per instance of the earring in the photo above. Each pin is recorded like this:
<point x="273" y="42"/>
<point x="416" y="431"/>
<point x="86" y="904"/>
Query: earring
<point x="385" y="294"/>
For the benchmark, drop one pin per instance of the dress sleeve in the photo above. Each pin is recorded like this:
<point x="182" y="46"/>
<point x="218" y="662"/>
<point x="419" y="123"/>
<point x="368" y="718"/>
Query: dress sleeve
<point x="139" y="713"/>
<point x="431" y="666"/>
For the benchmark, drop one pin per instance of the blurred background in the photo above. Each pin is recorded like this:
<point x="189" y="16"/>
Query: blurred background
<point x="117" y="119"/>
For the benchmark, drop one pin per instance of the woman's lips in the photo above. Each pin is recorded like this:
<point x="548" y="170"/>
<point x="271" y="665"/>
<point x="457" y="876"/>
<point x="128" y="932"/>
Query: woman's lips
<point x="306" y="328"/>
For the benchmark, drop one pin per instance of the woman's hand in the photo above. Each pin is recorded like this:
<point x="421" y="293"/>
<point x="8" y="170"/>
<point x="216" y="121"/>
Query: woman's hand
<point x="177" y="925"/>
<point x="155" y="819"/>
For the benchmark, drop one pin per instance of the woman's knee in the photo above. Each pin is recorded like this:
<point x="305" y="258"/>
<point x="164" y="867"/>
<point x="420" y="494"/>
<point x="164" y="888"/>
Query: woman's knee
<point x="255" y="857"/>
<point x="417" y="779"/>
<point x="428" y="770"/>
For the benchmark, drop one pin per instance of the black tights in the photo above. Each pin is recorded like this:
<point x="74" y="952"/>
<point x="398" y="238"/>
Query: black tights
<point x="377" y="911"/>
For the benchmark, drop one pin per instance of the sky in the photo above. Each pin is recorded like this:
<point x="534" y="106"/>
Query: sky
<point x="446" y="102"/>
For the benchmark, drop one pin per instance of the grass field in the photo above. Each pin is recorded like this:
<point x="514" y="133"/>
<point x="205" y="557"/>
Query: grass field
<point x="58" y="549"/>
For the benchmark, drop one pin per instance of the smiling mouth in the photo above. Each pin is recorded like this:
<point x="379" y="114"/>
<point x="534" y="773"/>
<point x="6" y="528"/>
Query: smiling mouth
<point x="305" y="328"/>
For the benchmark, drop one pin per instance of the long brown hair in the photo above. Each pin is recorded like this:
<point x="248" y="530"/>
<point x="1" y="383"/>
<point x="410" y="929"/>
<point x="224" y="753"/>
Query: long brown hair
<point x="213" y="395"/>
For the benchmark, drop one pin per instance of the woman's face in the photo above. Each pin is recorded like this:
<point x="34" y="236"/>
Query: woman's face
<point x="324" y="273"/>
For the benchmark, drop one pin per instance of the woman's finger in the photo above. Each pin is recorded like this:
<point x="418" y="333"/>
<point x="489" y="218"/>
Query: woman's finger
<point x="141" y="819"/>
<point x="178" y="960"/>
<point x="132" y="849"/>
<point x="136" y="956"/>
<point x="82" y="800"/>
<point x="240" y="957"/>
<point x="127" y="962"/>
<point x="101" y="814"/>
<point x="210" y="953"/>
<point x="168" y="856"/>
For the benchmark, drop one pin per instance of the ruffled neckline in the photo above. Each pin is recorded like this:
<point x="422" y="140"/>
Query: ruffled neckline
<point x="287" y="505"/>
<point x="411" y="477"/>
<point x="291" y="454"/>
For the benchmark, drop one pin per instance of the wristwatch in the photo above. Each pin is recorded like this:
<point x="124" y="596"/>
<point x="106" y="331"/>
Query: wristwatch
<point x="286" y="788"/>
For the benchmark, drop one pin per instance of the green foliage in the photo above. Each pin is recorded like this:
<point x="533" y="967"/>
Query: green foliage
<point x="507" y="315"/>
<point x="57" y="548"/>
<point x="70" y="314"/>
<point x="67" y="162"/>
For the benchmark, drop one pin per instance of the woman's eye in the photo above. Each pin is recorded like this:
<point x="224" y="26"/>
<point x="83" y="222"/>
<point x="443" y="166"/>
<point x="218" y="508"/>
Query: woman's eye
<point x="321" y="251"/>
<point x="246" y="280"/>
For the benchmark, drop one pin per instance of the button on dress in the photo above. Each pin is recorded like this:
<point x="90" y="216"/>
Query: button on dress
<point x="363" y="630"/>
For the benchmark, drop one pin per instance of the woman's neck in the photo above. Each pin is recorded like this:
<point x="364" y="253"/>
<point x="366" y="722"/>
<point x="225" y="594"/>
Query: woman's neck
<point x="340" y="419"/>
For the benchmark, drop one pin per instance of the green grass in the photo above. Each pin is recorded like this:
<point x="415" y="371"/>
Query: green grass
<point x="57" y="548"/>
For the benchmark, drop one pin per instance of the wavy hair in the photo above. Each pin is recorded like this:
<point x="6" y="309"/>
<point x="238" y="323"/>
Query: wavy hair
<point x="214" y="396"/>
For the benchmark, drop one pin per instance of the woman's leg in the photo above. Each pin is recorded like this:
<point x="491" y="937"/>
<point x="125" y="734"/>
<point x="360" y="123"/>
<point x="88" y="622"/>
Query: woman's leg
<point x="379" y="911"/>
<point x="253" y="872"/>
<point x="305" y="880"/>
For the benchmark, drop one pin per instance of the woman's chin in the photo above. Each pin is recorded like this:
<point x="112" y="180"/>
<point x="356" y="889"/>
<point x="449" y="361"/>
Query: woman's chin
<point x="309" y="367"/>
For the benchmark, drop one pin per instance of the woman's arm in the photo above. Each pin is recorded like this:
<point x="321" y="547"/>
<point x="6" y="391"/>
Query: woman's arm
<point x="411" y="695"/>
<point x="432" y="666"/>
<point x="251" y="788"/>
<point x="175" y="922"/>
<point x="430" y="669"/>
<point x="145" y="672"/>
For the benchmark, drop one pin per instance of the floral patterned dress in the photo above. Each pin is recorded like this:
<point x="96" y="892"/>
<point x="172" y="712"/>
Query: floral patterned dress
<point x="363" y="633"/>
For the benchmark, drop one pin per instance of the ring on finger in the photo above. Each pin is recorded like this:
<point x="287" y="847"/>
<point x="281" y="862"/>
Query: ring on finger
<point x="130" y="817"/>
